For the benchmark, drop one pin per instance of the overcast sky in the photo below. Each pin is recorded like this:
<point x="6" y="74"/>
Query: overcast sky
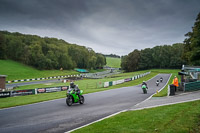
<point x="106" y="26"/>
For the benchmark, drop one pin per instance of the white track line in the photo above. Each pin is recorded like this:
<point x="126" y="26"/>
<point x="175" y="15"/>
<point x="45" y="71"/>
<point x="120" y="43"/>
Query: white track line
<point x="165" y="104"/>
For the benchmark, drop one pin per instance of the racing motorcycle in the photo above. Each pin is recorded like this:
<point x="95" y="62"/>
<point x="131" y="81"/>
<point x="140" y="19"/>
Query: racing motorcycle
<point x="144" y="88"/>
<point x="72" y="97"/>
<point x="157" y="82"/>
<point x="161" y="79"/>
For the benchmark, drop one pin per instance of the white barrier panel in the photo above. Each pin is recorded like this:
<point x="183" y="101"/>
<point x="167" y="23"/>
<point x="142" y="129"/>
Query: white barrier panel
<point x="120" y="81"/>
<point x="114" y="82"/>
<point x="133" y="78"/>
<point x="106" y="84"/>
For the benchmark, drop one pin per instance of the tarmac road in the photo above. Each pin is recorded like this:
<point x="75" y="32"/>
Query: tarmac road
<point x="56" y="116"/>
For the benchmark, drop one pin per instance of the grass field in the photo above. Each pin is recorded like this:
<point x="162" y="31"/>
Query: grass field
<point x="113" y="62"/>
<point x="178" y="118"/>
<point x="15" y="70"/>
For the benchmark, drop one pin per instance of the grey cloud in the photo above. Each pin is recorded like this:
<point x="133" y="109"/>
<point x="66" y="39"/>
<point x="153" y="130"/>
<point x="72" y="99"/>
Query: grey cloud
<point x="107" y="26"/>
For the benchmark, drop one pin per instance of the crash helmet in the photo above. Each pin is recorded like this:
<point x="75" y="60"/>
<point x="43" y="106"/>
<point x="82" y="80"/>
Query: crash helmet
<point x="72" y="84"/>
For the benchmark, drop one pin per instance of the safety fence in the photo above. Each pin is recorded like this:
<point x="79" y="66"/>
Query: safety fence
<point x="111" y="83"/>
<point x="32" y="91"/>
<point x="47" y="78"/>
<point x="96" y="85"/>
<point x="191" y="86"/>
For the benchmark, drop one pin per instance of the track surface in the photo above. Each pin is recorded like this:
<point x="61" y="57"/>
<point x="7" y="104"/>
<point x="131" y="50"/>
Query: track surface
<point x="56" y="116"/>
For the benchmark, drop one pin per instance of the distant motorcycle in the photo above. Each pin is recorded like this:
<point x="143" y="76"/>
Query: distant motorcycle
<point x="161" y="79"/>
<point x="144" y="88"/>
<point x="157" y="82"/>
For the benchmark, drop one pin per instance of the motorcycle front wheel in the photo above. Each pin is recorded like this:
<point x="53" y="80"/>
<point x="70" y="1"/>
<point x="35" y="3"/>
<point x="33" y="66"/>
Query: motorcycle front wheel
<point x="81" y="101"/>
<point x="69" y="100"/>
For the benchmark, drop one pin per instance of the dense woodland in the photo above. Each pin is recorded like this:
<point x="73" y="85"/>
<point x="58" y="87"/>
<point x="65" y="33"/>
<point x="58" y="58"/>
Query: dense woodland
<point x="47" y="53"/>
<point x="167" y="56"/>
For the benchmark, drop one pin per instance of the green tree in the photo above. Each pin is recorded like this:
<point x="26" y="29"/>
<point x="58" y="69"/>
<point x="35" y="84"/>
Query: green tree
<point x="133" y="61"/>
<point x="192" y="44"/>
<point x="2" y="47"/>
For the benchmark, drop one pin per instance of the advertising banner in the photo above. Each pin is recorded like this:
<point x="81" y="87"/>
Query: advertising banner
<point x="120" y="81"/>
<point x="127" y="80"/>
<point x="22" y="92"/>
<point x="53" y="89"/>
<point x="4" y="94"/>
<point x="63" y="88"/>
<point x="41" y="90"/>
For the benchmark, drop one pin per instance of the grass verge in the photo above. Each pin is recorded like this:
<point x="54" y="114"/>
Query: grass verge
<point x="16" y="71"/>
<point x="178" y="118"/>
<point x="113" y="62"/>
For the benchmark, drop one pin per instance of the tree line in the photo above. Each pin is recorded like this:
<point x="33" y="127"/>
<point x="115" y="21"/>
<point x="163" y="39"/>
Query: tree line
<point x="47" y="53"/>
<point x="112" y="55"/>
<point x="166" y="56"/>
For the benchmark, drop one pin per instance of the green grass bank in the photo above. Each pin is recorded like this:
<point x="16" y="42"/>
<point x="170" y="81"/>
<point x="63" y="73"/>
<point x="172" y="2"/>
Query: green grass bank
<point x="15" y="71"/>
<point x="113" y="62"/>
<point x="178" y="118"/>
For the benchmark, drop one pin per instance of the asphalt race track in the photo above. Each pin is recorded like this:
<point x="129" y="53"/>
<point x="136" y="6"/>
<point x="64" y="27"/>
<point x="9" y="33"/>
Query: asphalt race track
<point x="56" y="116"/>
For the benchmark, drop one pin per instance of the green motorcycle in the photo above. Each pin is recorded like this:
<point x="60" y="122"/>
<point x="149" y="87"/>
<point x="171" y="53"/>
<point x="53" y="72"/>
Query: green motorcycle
<point x="144" y="88"/>
<point x="72" y="97"/>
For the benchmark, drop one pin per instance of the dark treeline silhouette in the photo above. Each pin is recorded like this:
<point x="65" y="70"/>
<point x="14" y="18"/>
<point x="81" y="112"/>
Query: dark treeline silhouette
<point x="167" y="56"/>
<point x="47" y="53"/>
<point x="112" y="55"/>
<point x="192" y="44"/>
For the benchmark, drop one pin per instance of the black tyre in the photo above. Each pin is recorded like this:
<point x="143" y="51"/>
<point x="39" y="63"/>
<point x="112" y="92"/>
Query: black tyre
<point x="144" y="90"/>
<point x="81" y="101"/>
<point x="69" y="100"/>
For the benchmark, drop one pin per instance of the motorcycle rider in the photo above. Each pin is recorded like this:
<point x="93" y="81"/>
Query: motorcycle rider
<point x="144" y="83"/>
<point x="161" y="79"/>
<point x="75" y="88"/>
<point x="157" y="82"/>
